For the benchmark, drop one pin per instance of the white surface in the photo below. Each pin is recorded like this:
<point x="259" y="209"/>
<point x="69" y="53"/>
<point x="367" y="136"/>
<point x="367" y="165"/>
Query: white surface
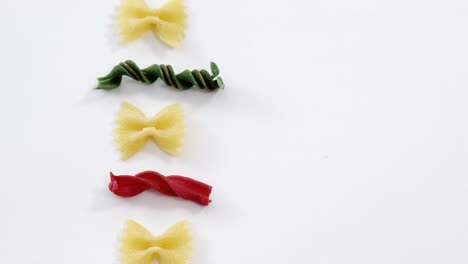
<point x="341" y="136"/>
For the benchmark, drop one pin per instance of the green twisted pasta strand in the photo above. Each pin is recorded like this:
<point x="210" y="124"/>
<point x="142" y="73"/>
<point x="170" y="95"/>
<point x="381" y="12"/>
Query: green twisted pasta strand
<point x="184" y="80"/>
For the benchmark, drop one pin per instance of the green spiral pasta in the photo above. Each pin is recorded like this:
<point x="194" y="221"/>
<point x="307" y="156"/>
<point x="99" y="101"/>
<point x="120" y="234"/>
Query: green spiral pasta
<point x="184" y="80"/>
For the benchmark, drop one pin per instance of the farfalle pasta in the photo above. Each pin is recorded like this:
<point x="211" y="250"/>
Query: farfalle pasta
<point x="134" y="129"/>
<point x="139" y="246"/>
<point x="168" y="22"/>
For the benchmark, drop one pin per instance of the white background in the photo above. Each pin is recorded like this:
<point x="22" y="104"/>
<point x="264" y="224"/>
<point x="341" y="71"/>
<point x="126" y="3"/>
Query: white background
<point x="341" y="136"/>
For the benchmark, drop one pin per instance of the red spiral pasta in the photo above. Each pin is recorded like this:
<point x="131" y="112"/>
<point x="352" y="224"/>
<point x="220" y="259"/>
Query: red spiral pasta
<point x="174" y="185"/>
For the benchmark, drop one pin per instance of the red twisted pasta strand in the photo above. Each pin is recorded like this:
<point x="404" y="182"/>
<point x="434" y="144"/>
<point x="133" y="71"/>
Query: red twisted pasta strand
<point x="174" y="185"/>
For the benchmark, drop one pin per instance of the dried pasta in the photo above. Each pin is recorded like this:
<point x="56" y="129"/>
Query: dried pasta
<point x="184" y="80"/>
<point x="174" y="185"/>
<point x="134" y="129"/>
<point x="139" y="246"/>
<point x="168" y="22"/>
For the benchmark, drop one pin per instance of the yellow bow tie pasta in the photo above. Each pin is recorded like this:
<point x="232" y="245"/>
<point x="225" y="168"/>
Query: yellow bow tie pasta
<point x="168" y="22"/>
<point x="139" y="246"/>
<point x="134" y="129"/>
